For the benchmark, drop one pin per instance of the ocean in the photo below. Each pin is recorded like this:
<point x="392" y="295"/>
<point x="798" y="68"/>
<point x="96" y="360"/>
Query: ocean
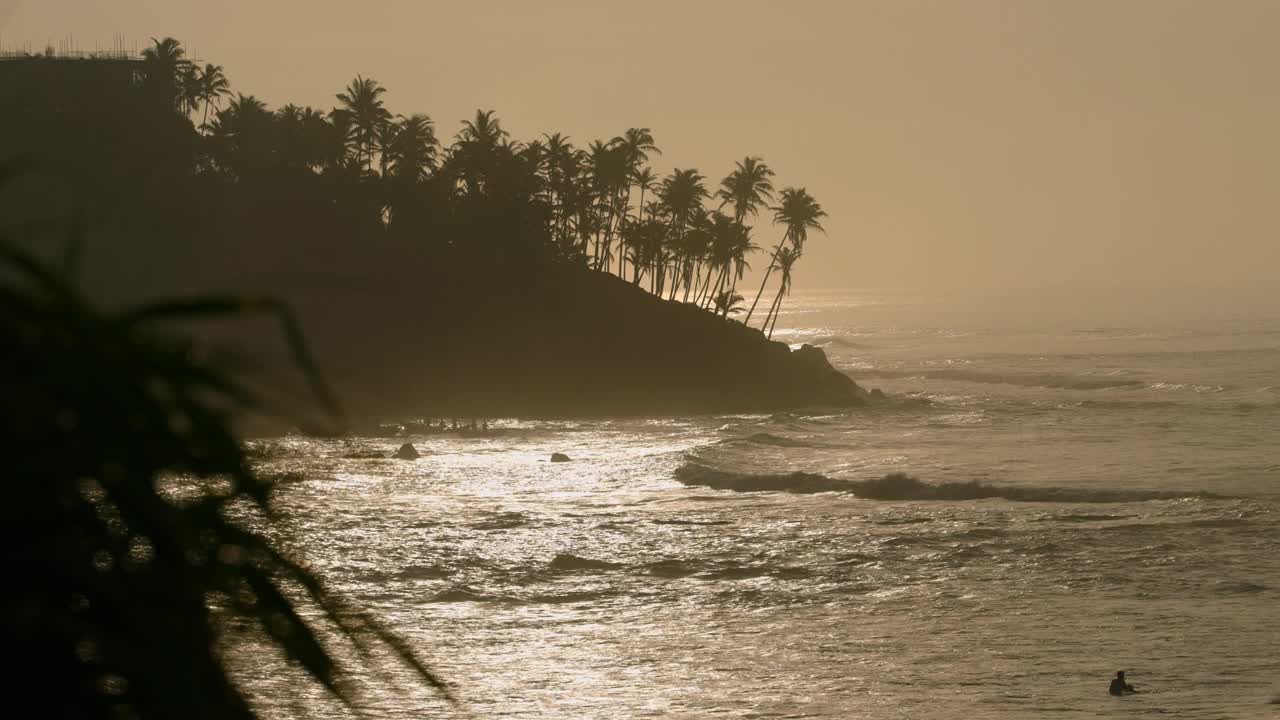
<point x="1058" y="487"/>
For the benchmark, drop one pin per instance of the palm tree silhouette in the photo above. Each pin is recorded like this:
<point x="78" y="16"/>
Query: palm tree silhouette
<point x="682" y="193"/>
<point x="211" y="87"/>
<point x="609" y="176"/>
<point x="484" y="130"/>
<point x="303" y="138"/>
<point x="413" y="148"/>
<point x="728" y="303"/>
<point x="647" y="181"/>
<point x="561" y="168"/>
<point x="188" y="88"/>
<point x="746" y="188"/>
<point x="798" y="211"/>
<point x="475" y="151"/>
<point x="635" y="144"/>
<point x="784" y="259"/>
<point x="362" y="102"/>
<point x="582" y="202"/>
<point x="164" y="64"/>
<point x="243" y="133"/>
<point x="731" y="243"/>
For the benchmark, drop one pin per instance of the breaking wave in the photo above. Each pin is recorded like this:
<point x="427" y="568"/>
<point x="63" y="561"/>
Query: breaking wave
<point x="899" y="486"/>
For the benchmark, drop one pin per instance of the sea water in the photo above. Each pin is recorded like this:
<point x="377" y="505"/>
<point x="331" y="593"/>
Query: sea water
<point x="1126" y="516"/>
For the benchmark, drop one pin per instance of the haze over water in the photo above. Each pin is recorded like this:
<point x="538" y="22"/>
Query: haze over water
<point x="1136" y="440"/>
<point x="1096" y="481"/>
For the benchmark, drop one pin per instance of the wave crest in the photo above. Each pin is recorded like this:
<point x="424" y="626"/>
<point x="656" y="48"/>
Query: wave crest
<point x="764" y="438"/>
<point x="899" y="486"/>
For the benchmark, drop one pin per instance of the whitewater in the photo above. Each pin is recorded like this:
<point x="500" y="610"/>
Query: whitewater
<point x="1058" y="487"/>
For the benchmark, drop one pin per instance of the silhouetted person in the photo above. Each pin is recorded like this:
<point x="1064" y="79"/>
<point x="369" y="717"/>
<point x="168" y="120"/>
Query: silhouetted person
<point x="1119" y="686"/>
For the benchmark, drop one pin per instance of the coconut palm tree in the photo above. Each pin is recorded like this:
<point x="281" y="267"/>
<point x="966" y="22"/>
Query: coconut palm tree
<point x="799" y="212"/>
<point x="561" y="168"/>
<point x="413" y="148"/>
<point x="647" y="181"/>
<point x="212" y="86"/>
<point x="682" y="193"/>
<point x="746" y="188"/>
<point x="188" y="86"/>
<point x="728" y="303"/>
<point x="474" y="155"/>
<point x="483" y="130"/>
<point x="609" y="176"/>
<point x="730" y="244"/>
<point x="362" y="102"/>
<point x="636" y="144"/>
<point x="303" y="137"/>
<point x="342" y="149"/>
<point x="784" y="259"/>
<point x="163" y="65"/>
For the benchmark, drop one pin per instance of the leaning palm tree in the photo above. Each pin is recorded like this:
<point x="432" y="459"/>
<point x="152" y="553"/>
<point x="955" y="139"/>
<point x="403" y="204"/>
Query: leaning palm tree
<point x="362" y="101"/>
<point x="746" y="188"/>
<point x="798" y="211"/>
<point x="784" y="259"/>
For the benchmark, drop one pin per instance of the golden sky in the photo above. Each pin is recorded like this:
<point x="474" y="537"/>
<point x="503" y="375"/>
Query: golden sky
<point x="1020" y="143"/>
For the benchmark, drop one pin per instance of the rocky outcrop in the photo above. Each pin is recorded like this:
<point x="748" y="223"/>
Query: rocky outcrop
<point x="559" y="458"/>
<point x="408" y="452"/>
<point x="580" y="343"/>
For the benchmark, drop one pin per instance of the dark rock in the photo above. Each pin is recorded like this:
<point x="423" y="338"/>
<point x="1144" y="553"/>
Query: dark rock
<point x="407" y="452"/>
<point x="559" y="457"/>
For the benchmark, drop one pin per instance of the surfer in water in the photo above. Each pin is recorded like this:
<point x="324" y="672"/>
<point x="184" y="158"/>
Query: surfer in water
<point x="1119" y="686"/>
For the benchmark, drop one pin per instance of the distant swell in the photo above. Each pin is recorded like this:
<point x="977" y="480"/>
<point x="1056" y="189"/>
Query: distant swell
<point x="1041" y="380"/>
<point x="898" y="486"/>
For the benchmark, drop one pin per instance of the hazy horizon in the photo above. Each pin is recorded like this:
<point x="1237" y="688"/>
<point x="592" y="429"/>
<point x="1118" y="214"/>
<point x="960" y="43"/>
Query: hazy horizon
<point x="989" y="144"/>
<point x="329" y="412"/>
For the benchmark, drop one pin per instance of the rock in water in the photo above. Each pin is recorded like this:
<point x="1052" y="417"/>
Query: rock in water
<point x="559" y="457"/>
<point x="407" y="452"/>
